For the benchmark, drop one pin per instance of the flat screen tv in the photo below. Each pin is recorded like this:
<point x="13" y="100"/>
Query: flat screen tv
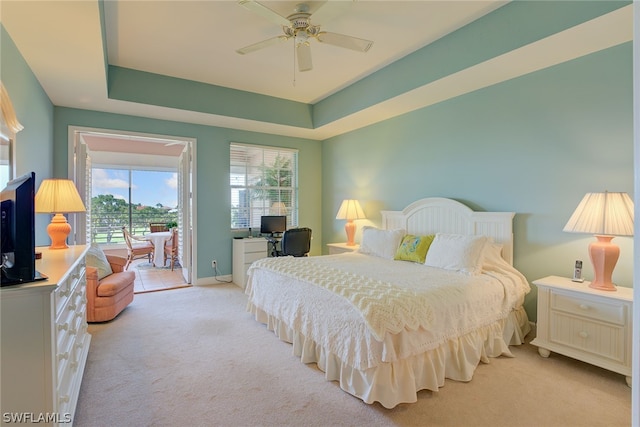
<point x="17" y="232"/>
<point x="273" y="224"/>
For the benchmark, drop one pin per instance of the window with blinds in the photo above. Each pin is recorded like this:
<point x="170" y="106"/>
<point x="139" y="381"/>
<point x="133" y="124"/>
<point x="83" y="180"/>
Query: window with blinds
<point x="264" y="181"/>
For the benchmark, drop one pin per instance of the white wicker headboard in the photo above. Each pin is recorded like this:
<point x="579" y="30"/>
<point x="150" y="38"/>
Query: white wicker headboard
<point x="440" y="215"/>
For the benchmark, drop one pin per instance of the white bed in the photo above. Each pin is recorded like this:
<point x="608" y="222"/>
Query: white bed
<point x="386" y="329"/>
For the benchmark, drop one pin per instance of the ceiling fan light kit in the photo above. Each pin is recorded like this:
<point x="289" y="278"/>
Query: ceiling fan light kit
<point x="298" y="26"/>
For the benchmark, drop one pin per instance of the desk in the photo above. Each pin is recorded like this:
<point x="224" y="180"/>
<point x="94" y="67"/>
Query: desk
<point x="158" y="239"/>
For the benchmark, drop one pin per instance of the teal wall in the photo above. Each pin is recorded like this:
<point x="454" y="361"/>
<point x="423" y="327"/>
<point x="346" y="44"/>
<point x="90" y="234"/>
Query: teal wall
<point x="34" y="144"/>
<point x="532" y="145"/>
<point x="213" y="198"/>
<point x="43" y="147"/>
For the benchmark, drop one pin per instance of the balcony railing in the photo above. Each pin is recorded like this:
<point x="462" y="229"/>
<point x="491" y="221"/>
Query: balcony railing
<point x="108" y="228"/>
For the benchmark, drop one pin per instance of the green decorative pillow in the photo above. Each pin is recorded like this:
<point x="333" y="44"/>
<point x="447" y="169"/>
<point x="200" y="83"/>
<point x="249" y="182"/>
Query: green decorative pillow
<point x="96" y="258"/>
<point x="414" y="248"/>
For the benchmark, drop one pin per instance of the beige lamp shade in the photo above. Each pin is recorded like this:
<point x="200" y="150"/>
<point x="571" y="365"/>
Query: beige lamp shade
<point x="278" y="208"/>
<point x="58" y="196"/>
<point x="605" y="215"/>
<point x="350" y="209"/>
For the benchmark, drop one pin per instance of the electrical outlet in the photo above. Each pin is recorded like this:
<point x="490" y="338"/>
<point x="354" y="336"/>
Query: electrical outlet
<point x="214" y="264"/>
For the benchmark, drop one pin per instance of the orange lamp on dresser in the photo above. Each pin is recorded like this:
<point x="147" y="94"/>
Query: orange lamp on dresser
<point x="57" y="197"/>
<point x="605" y="215"/>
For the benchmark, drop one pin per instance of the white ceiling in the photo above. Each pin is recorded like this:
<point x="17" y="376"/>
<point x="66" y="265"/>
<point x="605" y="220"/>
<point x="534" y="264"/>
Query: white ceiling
<point x="196" y="40"/>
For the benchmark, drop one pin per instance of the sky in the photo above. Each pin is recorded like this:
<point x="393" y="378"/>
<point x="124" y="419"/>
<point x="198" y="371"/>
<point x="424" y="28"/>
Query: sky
<point x="148" y="187"/>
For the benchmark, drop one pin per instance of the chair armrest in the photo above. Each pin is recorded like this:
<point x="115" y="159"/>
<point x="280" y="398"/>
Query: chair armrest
<point x="117" y="263"/>
<point x="92" y="281"/>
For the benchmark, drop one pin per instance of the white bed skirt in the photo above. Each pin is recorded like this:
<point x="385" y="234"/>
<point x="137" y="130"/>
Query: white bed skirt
<point x="455" y="359"/>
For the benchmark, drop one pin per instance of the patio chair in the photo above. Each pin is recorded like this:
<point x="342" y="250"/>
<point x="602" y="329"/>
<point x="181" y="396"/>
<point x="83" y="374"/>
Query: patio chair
<point x="137" y="247"/>
<point x="171" y="248"/>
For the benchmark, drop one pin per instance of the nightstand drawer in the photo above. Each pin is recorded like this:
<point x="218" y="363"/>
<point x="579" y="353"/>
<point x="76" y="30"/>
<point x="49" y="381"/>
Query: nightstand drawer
<point x="598" y="310"/>
<point x="599" y="339"/>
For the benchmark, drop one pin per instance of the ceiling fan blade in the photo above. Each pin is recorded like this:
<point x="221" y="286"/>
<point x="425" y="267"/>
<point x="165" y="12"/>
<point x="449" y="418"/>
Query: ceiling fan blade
<point x="348" y="42"/>
<point x="330" y="9"/>
<point x="262" y="44"/>
<point x="303" y="52"/>
<point x="264" y="11"/>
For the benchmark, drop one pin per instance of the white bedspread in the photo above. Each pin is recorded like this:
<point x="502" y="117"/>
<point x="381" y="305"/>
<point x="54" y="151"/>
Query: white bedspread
<point x="312" y="295"/>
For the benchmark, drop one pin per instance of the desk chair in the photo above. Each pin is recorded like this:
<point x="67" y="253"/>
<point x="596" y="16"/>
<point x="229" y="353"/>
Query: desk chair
<point x="295" y="242"/>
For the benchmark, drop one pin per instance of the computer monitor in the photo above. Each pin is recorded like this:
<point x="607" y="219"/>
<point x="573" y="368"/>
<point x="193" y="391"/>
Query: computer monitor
<point x="273" y="224"/>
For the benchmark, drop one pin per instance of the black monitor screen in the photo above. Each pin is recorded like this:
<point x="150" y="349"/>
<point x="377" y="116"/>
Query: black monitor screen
<point x="273" y="224"/>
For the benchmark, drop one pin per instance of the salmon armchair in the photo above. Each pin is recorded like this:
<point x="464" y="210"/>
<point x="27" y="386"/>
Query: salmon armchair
<point x="106" y="298"/>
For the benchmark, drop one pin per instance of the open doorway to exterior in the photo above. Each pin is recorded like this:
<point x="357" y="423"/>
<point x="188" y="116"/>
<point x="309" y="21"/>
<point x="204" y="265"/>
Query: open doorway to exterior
<point x="136" y="181"/>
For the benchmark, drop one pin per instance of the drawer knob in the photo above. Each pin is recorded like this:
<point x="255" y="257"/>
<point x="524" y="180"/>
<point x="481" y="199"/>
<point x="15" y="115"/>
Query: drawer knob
<point x="583" y="334"/>
<point x="584" y="307"/>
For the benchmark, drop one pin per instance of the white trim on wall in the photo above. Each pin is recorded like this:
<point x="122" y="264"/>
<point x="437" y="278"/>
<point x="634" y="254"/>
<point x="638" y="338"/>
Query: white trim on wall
<point x="190" y="230"/>
<point x="635" y="381"/>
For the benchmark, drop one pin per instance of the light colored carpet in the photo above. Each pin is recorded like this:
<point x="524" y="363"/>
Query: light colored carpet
<point x="195" y="357"/>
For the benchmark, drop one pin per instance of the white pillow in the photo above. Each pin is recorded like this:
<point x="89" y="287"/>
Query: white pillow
<point x="457" y="252"/>
<point x="381" y="243"/>
<point x="96" y="258"/>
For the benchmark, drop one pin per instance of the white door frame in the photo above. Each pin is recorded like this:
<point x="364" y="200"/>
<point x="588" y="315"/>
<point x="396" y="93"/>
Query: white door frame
<point x="189" y="238"/>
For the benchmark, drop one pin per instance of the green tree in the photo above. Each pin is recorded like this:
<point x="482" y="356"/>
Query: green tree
<point x="275" y="181"/>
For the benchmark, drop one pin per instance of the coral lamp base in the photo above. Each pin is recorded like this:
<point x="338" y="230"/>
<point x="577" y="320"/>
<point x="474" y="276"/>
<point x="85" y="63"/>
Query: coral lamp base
<point x="350" y="228"/>
<point x="604" y="256"/>
<point x="58" y="230"/>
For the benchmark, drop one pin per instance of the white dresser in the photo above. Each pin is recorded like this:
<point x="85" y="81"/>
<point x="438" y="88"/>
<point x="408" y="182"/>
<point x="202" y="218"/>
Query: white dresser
<point x="246" y="251"/>
<point x="45" y="342"/>
<point x="584" y="323"/>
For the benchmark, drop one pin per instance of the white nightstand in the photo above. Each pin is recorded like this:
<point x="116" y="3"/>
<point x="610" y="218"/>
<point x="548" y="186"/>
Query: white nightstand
<point x="339" y="248"/>
<point x="585" y="324"/>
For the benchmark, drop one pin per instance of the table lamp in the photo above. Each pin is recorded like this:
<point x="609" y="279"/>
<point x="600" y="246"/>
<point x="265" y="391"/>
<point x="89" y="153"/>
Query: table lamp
<point x="58" y="196"/>
<point x="350" y="210"/>
<point x="278" y="208"/>
<point x="605" y="215"/>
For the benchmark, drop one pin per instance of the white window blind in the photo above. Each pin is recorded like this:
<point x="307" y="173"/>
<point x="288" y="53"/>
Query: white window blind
<point x="263" y="181"/>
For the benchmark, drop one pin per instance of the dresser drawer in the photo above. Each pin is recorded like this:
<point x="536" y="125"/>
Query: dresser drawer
<point x="249" y="258"/>
<point x="67" y="286"/>
<point x="597" y="310"/>
<point x="257" y="245"/>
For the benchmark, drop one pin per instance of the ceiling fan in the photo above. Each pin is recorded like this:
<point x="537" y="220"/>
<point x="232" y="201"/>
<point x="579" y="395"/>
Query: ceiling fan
<point x="298" y="26"/>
